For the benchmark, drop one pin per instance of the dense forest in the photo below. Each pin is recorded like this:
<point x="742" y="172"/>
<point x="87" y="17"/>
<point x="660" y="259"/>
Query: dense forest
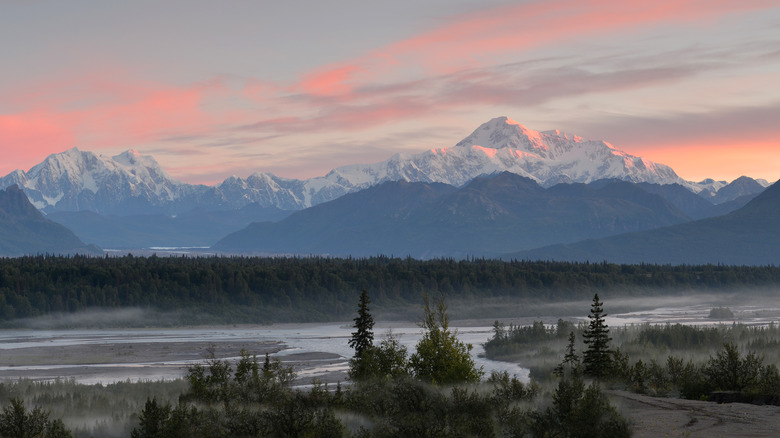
<point x="317" y="289"/>
<point x="246" y="289"/>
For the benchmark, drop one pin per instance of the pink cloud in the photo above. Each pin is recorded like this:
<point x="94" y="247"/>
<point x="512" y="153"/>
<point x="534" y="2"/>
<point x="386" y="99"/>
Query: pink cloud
<point x="30" y="135"/>
<point x="454" y="66"/>
<point x="476" y="39"/>
<point x="328" y="81"/>
<point x="94" y="113"/>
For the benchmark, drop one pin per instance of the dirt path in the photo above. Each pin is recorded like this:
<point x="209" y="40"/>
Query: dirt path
<point x="668" y="417"/>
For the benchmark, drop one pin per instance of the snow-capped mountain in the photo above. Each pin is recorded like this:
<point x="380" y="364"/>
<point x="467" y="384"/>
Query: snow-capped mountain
<point x="499" y="145"/>
<point x="502" y="144"/>
<point x="76" y="180"/>
<point x="130" y="183"/>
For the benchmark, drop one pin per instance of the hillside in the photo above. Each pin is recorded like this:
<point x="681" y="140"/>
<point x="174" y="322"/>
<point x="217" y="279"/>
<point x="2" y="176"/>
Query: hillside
<point x="486" y="217"/>
<point x="24" y="230"/>
<point x="747" y="236"/>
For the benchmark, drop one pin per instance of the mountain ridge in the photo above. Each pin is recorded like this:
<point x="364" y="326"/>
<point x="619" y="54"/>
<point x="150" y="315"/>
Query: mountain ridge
<point x="132" y="184"/>
<point x="746" y="236"/>
<point x="482" y="218"/>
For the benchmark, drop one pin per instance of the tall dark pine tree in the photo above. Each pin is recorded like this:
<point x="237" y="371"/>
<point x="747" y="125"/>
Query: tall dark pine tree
<point x="597" y="357"/>
<point x="364" y="324"/>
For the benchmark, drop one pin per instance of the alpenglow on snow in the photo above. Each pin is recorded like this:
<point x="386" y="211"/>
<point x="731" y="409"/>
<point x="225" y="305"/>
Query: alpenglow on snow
<point x="131" y="183"/>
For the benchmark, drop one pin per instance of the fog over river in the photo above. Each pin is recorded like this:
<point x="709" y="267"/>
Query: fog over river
<point x="104" y="356"/>
<point x="314" y="350"/>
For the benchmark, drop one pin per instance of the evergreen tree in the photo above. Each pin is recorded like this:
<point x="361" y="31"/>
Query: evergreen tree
<point x="363" y="337"/>
<point x="571" y="361"/>
<point x="597" y="358"/>
<point x="388" y="359"/>
<point x="152" y="420"/>
<point x="17" y="421"/>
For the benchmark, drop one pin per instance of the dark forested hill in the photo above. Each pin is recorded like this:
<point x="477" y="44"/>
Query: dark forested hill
<point x="748" y="236"/>
<point x="24" y="230"/>
<point x="487" y="217"/>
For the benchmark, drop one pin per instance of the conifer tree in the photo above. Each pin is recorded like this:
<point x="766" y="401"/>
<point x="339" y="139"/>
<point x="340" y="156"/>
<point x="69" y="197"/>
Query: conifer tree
<point x="363" y="337"/>
<point x="571" y="361"/>
<point x="597" y="357"/>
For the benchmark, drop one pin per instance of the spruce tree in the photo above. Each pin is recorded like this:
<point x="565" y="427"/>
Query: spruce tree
<point x="363" y="337"/>
<point x="597" y="357"/>
<point x="571" y="361"/>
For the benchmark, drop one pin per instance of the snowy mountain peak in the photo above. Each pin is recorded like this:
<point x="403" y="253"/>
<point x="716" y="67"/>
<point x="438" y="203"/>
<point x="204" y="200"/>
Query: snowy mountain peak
<point x="130" y="156"/>
<point x="503" y="132"/>
<point x="564" y="135"/>
<point x="133" y="159"/>
<point x="132" y="183"/>
<point x="76" y="180"/>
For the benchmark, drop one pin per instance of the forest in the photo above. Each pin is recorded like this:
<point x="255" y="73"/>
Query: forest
<point x="277" y="289"/>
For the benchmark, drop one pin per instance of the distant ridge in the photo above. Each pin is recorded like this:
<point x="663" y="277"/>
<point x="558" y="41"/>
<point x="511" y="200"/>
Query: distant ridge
<point x="748" y="236"/>
<point x="487" y="217"/>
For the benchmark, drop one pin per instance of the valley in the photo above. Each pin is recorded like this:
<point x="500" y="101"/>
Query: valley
<point x="137" y="357"/>
<point x="503" y="191"/>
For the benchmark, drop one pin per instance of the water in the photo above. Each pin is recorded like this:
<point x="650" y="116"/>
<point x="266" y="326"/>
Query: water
<point x="314" y="350"/>
<point x="105" y="356"/>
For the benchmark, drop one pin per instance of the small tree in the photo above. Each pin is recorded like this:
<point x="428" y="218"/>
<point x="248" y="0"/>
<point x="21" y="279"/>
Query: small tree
<point x="17" y="422"/>
<point x="363" y="336"/>
<point x="440" y="356"/>
<point x="571" y="361"/>
<point x="388" y="359"/>
<point x="597" y="357"/>
<point x="730" y="371"/>
<point x="362" y="340"/>
<point x="152" y="420"/>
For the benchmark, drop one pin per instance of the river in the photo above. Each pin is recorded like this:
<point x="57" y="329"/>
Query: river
<point x="314" y="350"/>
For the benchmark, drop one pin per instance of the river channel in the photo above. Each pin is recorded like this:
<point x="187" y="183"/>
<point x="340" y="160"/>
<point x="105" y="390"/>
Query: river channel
<point x="318" y="351"/>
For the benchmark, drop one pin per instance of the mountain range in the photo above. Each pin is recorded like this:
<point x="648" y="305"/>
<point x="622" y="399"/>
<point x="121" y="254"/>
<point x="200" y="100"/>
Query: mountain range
<point x="487" y="217"/>
<point x="133" y="184"/>
<point x="569" y="188"/>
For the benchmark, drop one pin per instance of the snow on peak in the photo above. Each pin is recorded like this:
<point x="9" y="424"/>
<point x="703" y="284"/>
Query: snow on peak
<point x="131" y="157"/>
<point x="498" y="145"/>
<point x="503" y="132"/>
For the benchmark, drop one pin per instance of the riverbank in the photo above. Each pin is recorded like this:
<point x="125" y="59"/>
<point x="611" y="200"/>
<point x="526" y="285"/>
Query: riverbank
<point x="653" y="417"/>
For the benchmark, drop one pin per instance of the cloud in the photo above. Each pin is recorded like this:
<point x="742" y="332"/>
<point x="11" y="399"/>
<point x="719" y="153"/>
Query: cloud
<point x="28" y="136"/>
<point x="477" y="39"/>
<point x="724" y="143"/>
<point x="471" y="63"/>
<point x="94" y="113"/>
<point x="520" y="84"/>
<point x="732" y="125"/>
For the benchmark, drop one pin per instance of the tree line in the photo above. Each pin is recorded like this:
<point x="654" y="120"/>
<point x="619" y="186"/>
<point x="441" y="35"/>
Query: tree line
<point x="318" y="288"/>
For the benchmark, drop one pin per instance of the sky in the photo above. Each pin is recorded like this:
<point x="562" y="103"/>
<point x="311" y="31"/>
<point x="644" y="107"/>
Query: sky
<point x="212" y="89"/>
